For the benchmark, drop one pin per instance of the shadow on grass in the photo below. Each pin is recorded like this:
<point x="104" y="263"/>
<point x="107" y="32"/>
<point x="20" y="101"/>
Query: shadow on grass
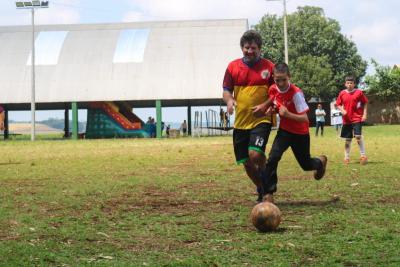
<point x="10" y="163"/>
<point x="314" y="203"/>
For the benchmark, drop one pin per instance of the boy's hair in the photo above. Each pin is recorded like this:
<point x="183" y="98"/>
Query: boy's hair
<point x="282" y="68"/>
<point x="350" y="78"/>
<point x="251" y="36"/>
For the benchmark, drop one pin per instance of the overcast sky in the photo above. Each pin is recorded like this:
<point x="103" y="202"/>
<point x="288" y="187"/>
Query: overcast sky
<point x="374" y="25"/>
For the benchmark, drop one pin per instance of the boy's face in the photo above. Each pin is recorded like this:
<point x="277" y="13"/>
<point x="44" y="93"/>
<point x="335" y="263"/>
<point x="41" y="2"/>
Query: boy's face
<point x="251" y="51"/>
<point x="281" y="80"/>
<point x="350" y="85"/>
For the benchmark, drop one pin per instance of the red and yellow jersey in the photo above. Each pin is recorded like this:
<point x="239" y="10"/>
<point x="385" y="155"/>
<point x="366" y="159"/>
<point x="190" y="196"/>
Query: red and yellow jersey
<point x="293" y="99"/>
<point x="353" y="102"/>
<point x="249" y="86"/>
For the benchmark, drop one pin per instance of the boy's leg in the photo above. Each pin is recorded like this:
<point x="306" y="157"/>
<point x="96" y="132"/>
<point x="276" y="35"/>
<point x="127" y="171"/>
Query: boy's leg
<point x="301" y="149"/>
<point x="347" y="134"/>
<point x="360" y="141"/>
<point x="269" y="176"/>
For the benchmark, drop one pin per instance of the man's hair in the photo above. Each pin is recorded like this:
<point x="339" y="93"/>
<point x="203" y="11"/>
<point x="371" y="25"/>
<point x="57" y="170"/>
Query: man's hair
<point x="251" y="36"/>
<point x="350" y="78"/>
<point x="282" y="68"/>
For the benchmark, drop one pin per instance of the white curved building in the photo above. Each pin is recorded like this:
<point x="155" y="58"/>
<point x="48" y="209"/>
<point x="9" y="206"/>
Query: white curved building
<point x="180" y="63"/>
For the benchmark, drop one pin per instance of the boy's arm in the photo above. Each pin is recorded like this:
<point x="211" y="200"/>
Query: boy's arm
<point x="344" y="112"/>
<point x="284" y="112"/>
<point x="261" y="109"/>
<point x="364" y="117"/>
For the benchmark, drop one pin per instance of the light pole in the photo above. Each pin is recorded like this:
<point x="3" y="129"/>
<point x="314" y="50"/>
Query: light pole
<point x="284" y="30"/>
<point x="32" y="5"/>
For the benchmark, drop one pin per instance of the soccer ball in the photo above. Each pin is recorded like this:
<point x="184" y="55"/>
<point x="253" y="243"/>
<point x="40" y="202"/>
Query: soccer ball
<point x="266" y="216"/>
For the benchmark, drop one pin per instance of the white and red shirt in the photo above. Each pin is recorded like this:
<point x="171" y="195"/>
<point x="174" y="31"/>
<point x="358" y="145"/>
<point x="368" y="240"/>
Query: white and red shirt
<point x="293" y="99"/>
<point x="353" y="102"/>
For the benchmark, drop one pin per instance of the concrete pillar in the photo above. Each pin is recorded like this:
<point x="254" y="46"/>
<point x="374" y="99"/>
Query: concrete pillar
<point x="75" y="126"/>
<point x="158" y="118"/>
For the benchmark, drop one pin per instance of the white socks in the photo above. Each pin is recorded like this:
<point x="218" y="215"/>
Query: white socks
<point x="360" y="143"/>
<point x="347" y="146"/>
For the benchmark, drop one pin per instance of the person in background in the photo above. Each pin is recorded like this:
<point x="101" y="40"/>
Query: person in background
<point x="353" y="103"/>
<point x="2" y="117"/>
<point x="320" y="120"/>
<point x="336" y="119"/>
<point x="184" y="127"/>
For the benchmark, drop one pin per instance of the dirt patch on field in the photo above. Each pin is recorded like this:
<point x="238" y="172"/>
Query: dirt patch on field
<point x="178" y="202"/>
<point x="394" y="199"/>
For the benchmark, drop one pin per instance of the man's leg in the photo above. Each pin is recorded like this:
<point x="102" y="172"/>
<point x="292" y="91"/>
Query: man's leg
<point x="259" y="136"/>
<point x="322" y="128"/>
<point x="316" y="128"/>
<point x="241" y="140"/>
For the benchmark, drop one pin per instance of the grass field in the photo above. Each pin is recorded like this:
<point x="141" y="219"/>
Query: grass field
<point x="184" y="202"/>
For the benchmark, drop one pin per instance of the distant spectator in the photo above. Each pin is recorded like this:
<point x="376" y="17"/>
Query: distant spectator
<point x="153" y="128"/>
<point x="336" y="119"/>
<point x="320" y="120"/>
<point x="227" y="121"/>
<point x="184" y="127"/>
<point x="222" y="120"/>
<point x="2" y="117"/>
<point x="167" y="130"/>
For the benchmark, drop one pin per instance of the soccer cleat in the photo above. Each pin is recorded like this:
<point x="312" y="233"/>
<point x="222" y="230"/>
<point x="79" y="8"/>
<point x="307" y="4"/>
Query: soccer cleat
<point x="318" y="174"/>
<point x="363" y="160"/>
<point x="346" y="161"/>
<point x="268" y="198"/>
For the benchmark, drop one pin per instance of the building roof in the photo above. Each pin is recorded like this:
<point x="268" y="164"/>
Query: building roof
<point x="175" y="61"/>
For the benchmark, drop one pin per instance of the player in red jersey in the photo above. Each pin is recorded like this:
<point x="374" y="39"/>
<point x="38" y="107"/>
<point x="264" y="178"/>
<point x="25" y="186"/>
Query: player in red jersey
<point x="293" y="131"/>
<point x="353" y="103"/>
<point x="245" y="86"/>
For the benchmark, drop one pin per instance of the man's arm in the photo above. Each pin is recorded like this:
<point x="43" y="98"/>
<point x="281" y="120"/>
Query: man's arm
<point x="229" y="101"/>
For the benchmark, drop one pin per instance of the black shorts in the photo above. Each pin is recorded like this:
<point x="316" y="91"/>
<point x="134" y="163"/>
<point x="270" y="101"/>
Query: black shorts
<point x="351" y="130"/>
<point x="253" y="139"/>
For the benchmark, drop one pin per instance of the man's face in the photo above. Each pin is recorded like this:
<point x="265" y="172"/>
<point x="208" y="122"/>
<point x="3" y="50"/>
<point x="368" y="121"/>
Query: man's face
<point x="282" y="80"/>
<point x="251" y="51"/>
<point x="349" y="85"/>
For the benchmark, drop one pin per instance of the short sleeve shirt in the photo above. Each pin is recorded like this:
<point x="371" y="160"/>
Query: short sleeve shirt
<point x="293" y="99"/>
<point x="249" y="86"/>
<point x="1" y="109"/>
<point x="353" y="102"/>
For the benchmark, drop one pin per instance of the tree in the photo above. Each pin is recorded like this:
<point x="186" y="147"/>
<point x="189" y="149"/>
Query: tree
<point x="320" y="56"/>
<point x="385" y="83"/>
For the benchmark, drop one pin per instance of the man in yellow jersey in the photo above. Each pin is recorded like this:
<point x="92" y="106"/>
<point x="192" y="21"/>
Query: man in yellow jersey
<point x="245" y="90"/>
